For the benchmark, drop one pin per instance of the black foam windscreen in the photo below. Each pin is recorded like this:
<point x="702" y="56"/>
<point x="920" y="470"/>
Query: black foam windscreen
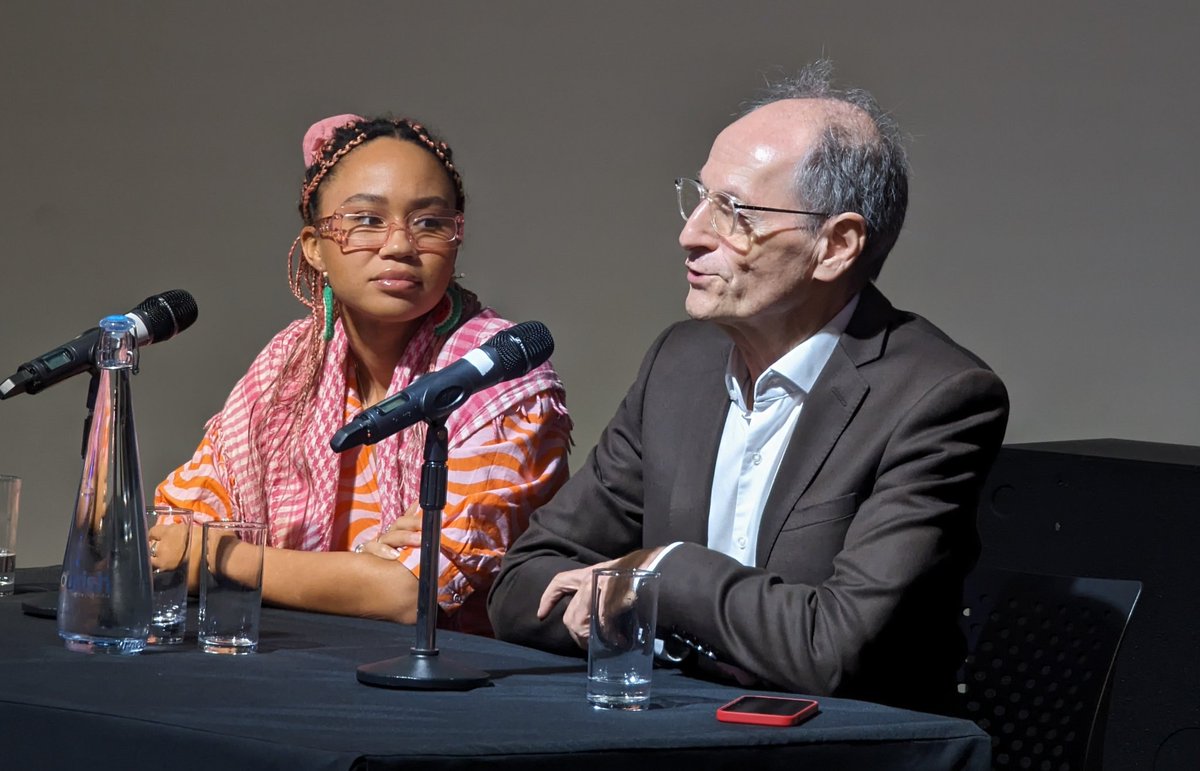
<point x="522" y="347"/>
<point x="167" y="314"/>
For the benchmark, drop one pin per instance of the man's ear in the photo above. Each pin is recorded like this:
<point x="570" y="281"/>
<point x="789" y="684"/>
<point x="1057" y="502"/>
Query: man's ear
<point x="309" y="240"/>
<point x="844" y="237"/>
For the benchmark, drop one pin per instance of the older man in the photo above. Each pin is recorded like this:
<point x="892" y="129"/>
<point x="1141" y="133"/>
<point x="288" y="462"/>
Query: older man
<point x="800" y="461"/>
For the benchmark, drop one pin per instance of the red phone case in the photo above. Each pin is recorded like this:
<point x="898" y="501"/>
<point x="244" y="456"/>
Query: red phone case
<point x="742" y="710"/>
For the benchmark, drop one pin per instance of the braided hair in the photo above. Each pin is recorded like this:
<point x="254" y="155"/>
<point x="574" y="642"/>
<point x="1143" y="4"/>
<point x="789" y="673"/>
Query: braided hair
<point x="353" y="134"/>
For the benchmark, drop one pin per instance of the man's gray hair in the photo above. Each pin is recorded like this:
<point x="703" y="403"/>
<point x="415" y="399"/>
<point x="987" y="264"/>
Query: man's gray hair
<point x="858" y="165"/>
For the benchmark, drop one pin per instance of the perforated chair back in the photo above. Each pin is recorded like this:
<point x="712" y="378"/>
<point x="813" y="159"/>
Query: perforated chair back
<point x="1041" y="651"/>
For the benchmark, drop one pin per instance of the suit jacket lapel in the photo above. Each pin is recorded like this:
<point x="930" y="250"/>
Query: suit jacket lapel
<point x="827" y="411"/>
<point x="699" y="439"/>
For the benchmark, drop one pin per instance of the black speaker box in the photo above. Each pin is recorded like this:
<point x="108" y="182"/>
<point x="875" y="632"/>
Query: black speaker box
<point x="1112" y="508"/>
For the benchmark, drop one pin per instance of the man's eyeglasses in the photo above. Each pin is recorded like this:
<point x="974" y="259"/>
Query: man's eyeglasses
<point x="725" y="212"/>
<point x="359" y="230"/>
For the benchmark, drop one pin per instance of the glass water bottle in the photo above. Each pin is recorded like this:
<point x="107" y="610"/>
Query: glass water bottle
<point x="104" y="598"/>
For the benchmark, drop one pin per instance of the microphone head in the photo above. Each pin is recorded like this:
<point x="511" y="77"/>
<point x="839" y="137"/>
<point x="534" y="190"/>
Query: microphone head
<point x="167" y="314"/>
<point x="522" y="347"/>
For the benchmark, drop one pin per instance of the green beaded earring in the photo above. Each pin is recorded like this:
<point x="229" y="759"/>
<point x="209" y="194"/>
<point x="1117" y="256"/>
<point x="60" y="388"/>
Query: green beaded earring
<point x="327" y="296"/>
<point x="453" y="313"/>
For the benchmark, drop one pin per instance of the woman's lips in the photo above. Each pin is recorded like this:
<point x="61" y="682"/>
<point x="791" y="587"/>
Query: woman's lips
<point x="395" y="280"/>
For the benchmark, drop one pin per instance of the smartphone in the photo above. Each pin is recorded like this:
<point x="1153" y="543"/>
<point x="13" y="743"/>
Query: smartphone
<point x="767" y="710"/>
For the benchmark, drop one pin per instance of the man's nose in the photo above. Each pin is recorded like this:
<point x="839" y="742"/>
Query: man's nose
<point x="697" y="230"/>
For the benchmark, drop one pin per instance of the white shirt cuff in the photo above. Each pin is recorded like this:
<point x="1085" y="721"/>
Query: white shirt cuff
<point x="659" y="558"/>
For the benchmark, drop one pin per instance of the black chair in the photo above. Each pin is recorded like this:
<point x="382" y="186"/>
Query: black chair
<point x="1041" y="653"/>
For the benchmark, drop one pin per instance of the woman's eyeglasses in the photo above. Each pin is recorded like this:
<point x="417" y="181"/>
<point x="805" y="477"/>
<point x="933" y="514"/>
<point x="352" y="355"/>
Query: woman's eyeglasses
<point x="360" y="230"/>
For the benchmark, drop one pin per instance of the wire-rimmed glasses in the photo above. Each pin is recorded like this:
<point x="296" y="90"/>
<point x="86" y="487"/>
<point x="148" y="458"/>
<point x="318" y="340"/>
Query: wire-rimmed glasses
<point x="353" y="231"/>
<point x="725" y="212"/>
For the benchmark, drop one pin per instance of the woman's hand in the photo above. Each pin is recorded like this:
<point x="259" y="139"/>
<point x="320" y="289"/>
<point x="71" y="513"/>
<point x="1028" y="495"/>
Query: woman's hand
<point x="404" y="532"/>
<point x="168" y="545"/>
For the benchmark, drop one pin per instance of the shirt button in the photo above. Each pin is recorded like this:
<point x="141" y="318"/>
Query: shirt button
<point x="741" y="542"/>
<point x="757" y="458"/>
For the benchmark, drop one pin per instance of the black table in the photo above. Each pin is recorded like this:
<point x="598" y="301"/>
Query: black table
<point x="297" y="705"/>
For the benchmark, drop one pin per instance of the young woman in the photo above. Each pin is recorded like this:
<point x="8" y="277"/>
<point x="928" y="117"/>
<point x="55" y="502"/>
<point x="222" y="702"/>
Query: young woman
<point x="382" y="207"/>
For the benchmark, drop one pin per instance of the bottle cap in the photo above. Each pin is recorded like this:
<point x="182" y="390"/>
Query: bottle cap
<point x="117" y="347"/>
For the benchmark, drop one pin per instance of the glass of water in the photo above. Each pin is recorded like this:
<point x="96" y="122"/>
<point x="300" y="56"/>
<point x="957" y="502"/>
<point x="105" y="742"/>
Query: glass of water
<point x="10" y="493"/>
<point x="170" y="532"/>
<point x="621" y="645"/>
<point x="231" y="586"/>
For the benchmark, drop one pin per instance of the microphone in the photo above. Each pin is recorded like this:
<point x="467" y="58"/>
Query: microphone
<point x="508" y="354"/>
<point x="155" y="319"/>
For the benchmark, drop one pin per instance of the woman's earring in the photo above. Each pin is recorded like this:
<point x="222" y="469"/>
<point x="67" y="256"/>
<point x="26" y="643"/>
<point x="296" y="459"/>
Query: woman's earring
<point x="327" y="296"/>
<point x="454" y="308"/>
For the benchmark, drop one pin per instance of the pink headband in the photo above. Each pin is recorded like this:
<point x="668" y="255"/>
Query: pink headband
<point x="321" y="132"/>
<point x="316" y="138"/>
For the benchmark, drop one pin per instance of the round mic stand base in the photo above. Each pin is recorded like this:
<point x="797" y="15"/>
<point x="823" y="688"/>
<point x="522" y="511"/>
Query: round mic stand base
<point x="420" y="671"/>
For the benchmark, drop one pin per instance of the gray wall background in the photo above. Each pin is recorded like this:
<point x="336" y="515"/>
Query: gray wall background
<point x="149" y="146"/>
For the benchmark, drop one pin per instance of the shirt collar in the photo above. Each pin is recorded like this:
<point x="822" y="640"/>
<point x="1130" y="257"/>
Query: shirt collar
<point x="794" y="373"/>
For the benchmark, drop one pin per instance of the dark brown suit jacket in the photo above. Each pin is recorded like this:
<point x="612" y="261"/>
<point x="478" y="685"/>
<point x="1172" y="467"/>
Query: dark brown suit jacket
<point x="865" y="537"/>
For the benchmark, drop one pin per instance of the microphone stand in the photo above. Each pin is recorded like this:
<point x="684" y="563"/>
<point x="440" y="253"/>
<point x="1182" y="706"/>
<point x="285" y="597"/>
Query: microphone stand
<point x="423" y="668"/>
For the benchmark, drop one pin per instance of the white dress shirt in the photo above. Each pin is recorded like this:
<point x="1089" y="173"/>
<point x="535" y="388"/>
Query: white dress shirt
<point x="757" y="434"/>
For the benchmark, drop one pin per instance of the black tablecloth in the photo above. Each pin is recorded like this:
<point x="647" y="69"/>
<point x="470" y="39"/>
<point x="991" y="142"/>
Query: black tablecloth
<point x="297" y="705"/>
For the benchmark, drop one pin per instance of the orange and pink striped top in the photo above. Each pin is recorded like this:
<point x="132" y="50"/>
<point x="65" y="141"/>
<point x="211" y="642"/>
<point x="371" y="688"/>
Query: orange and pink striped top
<point x="498" y="471"/>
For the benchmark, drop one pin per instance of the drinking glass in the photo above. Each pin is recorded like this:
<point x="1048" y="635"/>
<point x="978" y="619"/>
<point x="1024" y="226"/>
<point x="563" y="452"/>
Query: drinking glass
<point x="170" y="533"/>
<point x="10" y="493"/>
<point x="231" y="586"/>
<point x="621" y="646"/>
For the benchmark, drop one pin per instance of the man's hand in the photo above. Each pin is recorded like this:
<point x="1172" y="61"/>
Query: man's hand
<point x="578" y="583"/>
<point x="577" y="617"/>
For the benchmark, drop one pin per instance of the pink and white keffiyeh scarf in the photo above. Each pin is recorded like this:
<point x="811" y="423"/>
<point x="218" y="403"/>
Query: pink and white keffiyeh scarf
<point x="279" y="463"/>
